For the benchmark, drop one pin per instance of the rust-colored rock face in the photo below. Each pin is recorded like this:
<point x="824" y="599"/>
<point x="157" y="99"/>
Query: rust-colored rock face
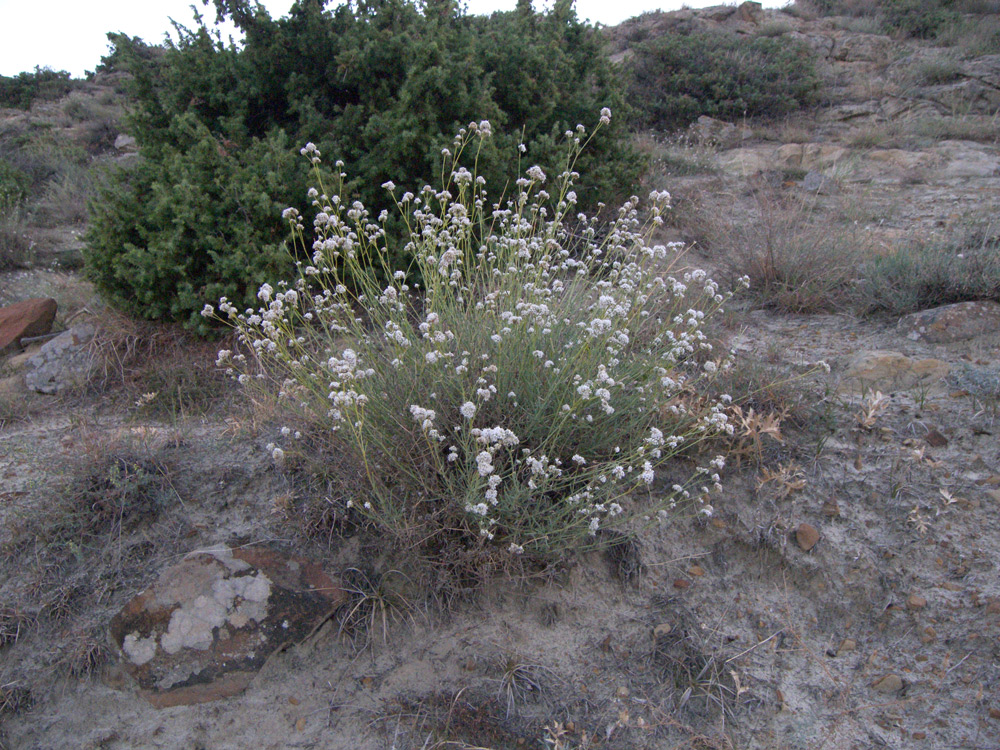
<point x="30" y="317"/>
<point x="209" y="623"/>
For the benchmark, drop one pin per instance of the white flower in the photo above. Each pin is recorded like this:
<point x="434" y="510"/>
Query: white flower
<point x="536" y="173"/>
<point x="468" y="410"/>
<point x="647" y="473"/>
<point x="484" y="461"/>
<point x="605" y="116"/>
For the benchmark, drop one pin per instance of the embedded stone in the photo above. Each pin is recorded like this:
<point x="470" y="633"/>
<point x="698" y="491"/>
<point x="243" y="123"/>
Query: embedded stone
<point x="24" y="319"/>
<point x="807" y="536"/>
<point x="890" y="683"/>
<point x="955" y="322"/>
<point x="887" y="369"/>
<point x="209" y="623"/>
<point x="723" y="134"/>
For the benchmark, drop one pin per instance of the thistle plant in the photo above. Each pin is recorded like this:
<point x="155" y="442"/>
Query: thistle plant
<point x="520" y="385"/>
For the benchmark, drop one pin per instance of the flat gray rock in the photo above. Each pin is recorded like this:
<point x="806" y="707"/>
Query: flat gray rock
<point x="64" y="361"/>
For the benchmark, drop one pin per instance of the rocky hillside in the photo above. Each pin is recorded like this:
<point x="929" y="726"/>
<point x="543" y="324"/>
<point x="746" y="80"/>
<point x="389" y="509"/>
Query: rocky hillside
<point x="845" y="593"/>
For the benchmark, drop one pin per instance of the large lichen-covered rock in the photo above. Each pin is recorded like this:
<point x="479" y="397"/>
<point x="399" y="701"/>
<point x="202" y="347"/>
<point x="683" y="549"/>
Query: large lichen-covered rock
<point x="955" y="322"/>
<point x="209" y="623"/>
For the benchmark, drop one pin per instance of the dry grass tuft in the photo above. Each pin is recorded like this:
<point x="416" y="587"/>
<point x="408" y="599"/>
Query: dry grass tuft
<point x="796" y="261"/>
<point x="376" y="602"/>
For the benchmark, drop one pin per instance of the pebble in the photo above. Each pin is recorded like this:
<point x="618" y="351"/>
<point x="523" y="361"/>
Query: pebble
<point x="929" y="635"/>
<point x="915" y="601"/>
<point x="661" y="630"/>
<point x="831" y="509"/>
<point x="807" y="536"/>
<point x="935" y="439"/>
<point x="890" y="683"/>
<point x="995" y="713"/>
<point x="847" y="645"/>
<point x="681" y="583"/>
<point x="696" y="570"/>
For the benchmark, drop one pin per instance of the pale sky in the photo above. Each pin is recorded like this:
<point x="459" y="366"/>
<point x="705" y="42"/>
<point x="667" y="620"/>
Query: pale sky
<point x="71" y="34"/>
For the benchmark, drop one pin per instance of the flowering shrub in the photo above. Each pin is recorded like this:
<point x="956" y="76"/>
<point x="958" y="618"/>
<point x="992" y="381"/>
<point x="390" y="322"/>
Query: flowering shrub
<point x="526" y="394"/>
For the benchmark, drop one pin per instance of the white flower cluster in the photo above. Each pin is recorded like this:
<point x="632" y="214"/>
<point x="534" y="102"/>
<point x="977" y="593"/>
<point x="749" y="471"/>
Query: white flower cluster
<point x="597" y="348"/>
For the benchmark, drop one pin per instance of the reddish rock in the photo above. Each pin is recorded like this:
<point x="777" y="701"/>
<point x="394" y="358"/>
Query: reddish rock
<point x="957" y="322"/>
<point x="30" y="317"/>
<point x="915" y="601"/>
<point x="209" y="623"/>
<point x="807" y="536"/>
<point x="935" y="439"/>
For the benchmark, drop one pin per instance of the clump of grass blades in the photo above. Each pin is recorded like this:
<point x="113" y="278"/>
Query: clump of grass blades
<point x="793" y="260"/>
<point x="375" y="603"/>
<point x="962" y="267"/>
<point x="508" y="394"/>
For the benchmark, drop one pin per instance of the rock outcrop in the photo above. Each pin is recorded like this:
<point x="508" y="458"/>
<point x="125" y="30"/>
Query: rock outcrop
<point x="957" y="322"/>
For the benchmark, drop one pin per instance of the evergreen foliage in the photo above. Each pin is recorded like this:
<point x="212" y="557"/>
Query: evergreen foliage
<point x="674" y="79"/>
<point x="381" y="84"/>
<point x="22" y="90"/>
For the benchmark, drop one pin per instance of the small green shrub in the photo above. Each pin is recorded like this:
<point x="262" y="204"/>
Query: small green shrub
<point x="14" y="184"/>
<point x="522" y="396"/>
<point x="920" y="19"/>
<point x="16" y="245"/>
<point x="675" y="79"/>
<point x="22" y="90"/>
<point x="960" y="268"/>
